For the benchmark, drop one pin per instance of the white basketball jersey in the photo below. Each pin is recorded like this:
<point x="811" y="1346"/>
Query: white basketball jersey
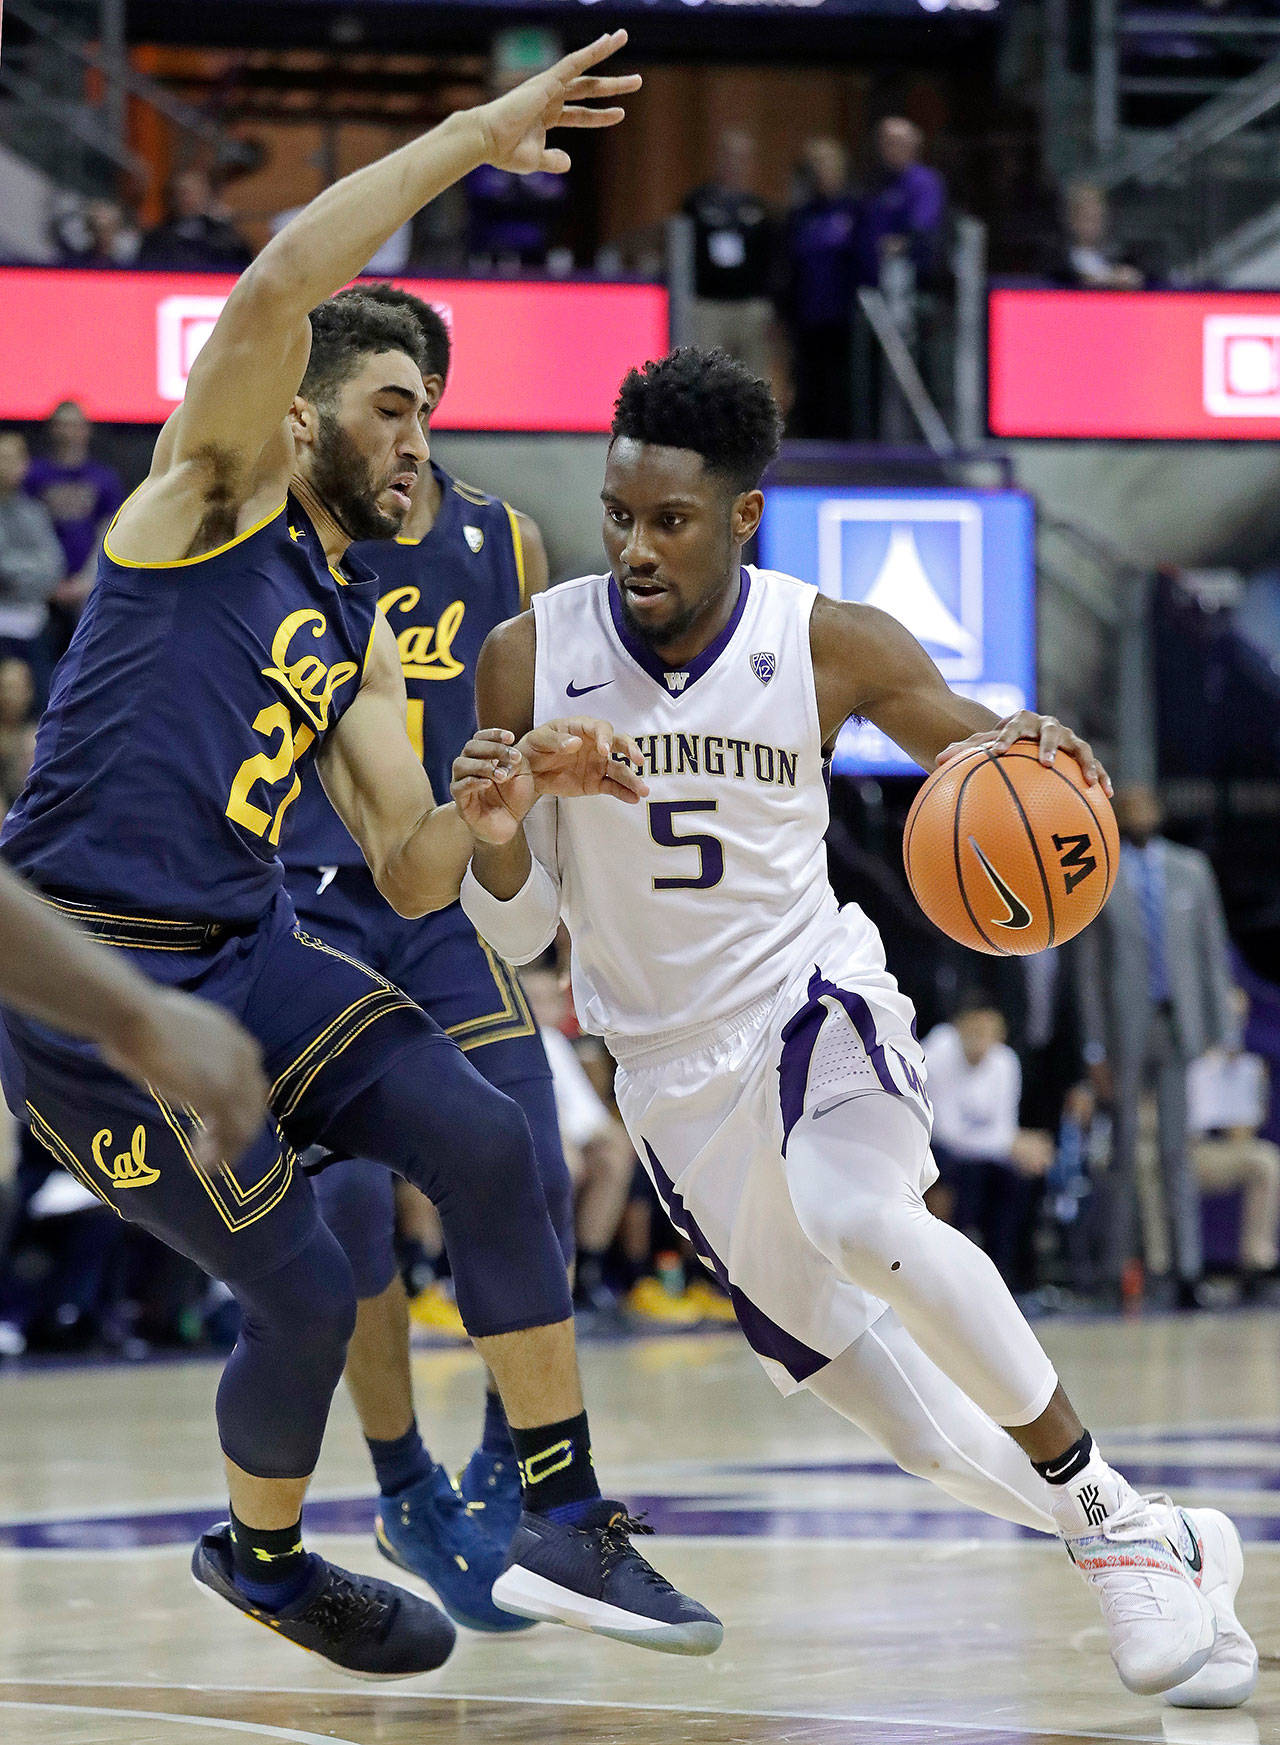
<point x="698" y="902"/>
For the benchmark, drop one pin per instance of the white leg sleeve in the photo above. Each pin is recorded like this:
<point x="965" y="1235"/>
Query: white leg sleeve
<point x="854" y="1177"/>
<point x="886" y="1385"/>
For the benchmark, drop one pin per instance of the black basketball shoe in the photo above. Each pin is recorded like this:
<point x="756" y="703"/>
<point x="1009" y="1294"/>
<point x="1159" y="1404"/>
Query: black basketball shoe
<point x="363" y="1626"/>
<point x="590" y="1576"/>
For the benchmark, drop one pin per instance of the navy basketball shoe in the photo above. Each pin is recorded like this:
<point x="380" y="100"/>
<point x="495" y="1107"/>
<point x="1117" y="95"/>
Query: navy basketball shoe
<point x="429" y="1530"/>
<point x="590" y="1576"/>
<point x="490" y="1486"/>
<point x="363" y="1626"/>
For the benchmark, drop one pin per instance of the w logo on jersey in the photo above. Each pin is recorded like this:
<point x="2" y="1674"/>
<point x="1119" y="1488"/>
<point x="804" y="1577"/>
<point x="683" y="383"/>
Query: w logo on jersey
<point x="676" y="682"/>
<point x="764" y="665"/>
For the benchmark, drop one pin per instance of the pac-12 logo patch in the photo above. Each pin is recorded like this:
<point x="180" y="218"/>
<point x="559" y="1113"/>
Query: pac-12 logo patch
<point x="764" y="665"/>
<point x="474" y="536"/>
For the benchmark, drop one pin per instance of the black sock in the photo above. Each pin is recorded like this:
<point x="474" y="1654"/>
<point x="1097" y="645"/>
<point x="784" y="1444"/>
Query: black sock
<point x="268" y="1564"/>
<point x="556" y="1474"/>
<point x="1064" y="1467"/>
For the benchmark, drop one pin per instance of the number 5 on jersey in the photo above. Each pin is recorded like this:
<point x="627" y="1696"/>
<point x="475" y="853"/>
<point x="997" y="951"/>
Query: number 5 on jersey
<point x="709" y="849"/>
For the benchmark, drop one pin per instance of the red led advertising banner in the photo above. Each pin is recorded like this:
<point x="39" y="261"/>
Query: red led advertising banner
<point x="1171" y="365"/>
<point x="528" y="355"/>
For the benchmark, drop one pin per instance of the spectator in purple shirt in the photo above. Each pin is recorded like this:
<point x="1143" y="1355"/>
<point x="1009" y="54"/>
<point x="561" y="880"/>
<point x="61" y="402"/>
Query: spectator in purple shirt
<point x="821" y="261"/>
<point x="81" y="495"/>
<point x="905" y="209"/>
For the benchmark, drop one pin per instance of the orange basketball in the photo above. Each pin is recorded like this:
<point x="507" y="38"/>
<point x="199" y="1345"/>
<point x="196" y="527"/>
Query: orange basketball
<point x="1009" y="855"/>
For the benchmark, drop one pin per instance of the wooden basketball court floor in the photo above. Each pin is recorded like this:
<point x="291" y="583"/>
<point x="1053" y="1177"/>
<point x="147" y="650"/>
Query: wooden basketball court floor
<point x="860" y="1605"/>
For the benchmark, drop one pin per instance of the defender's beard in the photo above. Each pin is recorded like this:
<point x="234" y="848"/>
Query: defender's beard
<point x="341" y="478"/>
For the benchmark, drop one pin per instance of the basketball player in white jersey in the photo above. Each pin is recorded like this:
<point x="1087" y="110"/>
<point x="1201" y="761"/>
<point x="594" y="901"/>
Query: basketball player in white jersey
<point x="768" y="1070"/>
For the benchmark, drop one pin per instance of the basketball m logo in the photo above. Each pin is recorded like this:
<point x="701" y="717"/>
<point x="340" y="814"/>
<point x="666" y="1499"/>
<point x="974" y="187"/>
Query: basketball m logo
<point x="1074" y="858"/>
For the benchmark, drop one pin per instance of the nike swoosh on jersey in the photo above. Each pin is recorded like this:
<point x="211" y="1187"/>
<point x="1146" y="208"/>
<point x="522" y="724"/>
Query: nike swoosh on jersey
<point x="1019" y="915"/>
<point x="572" y="690"/>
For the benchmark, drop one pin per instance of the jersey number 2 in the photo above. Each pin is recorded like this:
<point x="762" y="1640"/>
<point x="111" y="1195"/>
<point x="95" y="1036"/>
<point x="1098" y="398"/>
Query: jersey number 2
<point x="709" y="849"/>
<point x="269" y="768"/>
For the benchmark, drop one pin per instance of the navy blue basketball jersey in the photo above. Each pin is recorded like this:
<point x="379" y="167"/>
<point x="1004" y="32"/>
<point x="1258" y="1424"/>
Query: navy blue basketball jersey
<point x="192" y="695"/>
<point x="442" y="595"/>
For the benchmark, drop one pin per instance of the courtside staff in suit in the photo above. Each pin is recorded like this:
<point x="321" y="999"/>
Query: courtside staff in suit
<point x="1155" y="991"/>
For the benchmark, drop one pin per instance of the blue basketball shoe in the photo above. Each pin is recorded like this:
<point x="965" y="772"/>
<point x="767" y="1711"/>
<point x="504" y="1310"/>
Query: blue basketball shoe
<point x="429" y="1530"/>
<point x="490" y="1486"/>
<point x="361" y="1625"/>
<point x="590" y="1576"/>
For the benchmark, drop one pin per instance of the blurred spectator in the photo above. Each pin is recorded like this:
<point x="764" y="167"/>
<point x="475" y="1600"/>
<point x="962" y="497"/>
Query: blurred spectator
<point x="734" y="247"/>
<point x="96" y="233"/>
<point x="820" y="283"/>
<point x="17" y="731"/>
<point x="512" y="221"/>
<point x="1155" y="992"/>
<point x="31" y="563"/>
<point x="975" y="1084"/>
<point x="905" y="210"/>
<point x="81" y="495"/>
<point x="197" y="233"/>
<point x="596" y="1148"/>
<point x="1229" y="1096"/>
<point x="1083" y="256"/>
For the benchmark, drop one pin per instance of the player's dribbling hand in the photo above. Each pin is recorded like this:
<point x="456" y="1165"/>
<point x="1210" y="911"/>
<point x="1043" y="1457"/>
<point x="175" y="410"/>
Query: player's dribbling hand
<point x="1051" y="735"/>
<point x="197" y="1057"/>
<point x="514" y="126"/>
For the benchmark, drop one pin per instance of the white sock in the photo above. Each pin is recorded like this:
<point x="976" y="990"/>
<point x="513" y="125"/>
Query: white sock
<point x="1083" y="1502"/>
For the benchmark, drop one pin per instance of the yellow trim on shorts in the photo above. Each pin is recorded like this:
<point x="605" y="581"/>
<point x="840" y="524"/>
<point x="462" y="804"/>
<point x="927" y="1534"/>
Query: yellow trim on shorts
<point x="213" y="1187"/>
<point x="66" y="1157"/>
<point x="182" y="563"/>
<point x="513" y="1018"/>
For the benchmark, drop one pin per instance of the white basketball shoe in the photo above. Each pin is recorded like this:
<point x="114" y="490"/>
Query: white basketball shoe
<point x="1230" y="1675"/>
<point x="1146" y="1561"/>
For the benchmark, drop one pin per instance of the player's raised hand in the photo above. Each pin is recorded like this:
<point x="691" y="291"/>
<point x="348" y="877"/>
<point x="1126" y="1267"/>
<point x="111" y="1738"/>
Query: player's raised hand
<point x="1050" y="735"/>
<point x="581" y="755"/>
<point x="492" y="785"/>
<point x="515" y="125"/>
<point x="197" y="1057"/>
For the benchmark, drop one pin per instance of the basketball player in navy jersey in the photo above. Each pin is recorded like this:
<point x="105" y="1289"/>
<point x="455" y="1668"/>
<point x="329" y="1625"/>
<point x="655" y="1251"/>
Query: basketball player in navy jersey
<point x="462" y="562"/>
<point x="768" y="1068"/>
<point x="232" y="636"/>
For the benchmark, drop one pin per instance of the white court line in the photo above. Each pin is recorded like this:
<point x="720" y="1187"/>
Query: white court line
<point x="1022" y="1729"/>
<point x="259" y="1729"/>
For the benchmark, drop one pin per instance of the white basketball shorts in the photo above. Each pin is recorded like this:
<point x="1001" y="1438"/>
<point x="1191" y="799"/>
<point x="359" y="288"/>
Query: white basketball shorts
<point x="710" y="1113"/>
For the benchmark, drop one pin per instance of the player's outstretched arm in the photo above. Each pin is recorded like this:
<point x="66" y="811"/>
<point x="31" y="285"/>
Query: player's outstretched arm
<point x="416" y="850"/>
<point x="866" y="663"/>
<point x="187" y="1049"/>
<point x="226" y="442"/>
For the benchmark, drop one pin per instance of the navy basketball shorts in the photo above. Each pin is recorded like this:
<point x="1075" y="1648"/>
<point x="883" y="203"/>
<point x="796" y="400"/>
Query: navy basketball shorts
<point x="329" y="1028"/>
<point x="475" y="998"/>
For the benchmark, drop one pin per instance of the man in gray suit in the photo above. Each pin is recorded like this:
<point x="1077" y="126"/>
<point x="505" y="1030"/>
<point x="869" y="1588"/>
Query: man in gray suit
<point x="1155" y="992"/>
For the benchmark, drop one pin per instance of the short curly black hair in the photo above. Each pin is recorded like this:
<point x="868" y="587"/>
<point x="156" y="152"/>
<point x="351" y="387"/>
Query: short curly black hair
<point x="436" y="345"/>
<point x="705" y="401"/>
<point x="349" y="327"/>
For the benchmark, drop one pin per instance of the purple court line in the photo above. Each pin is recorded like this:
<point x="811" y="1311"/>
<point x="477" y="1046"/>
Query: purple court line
<point x="688" y="1516"/>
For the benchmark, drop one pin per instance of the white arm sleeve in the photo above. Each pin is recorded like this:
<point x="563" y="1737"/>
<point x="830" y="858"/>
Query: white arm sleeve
<point x="521" y="927"/>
